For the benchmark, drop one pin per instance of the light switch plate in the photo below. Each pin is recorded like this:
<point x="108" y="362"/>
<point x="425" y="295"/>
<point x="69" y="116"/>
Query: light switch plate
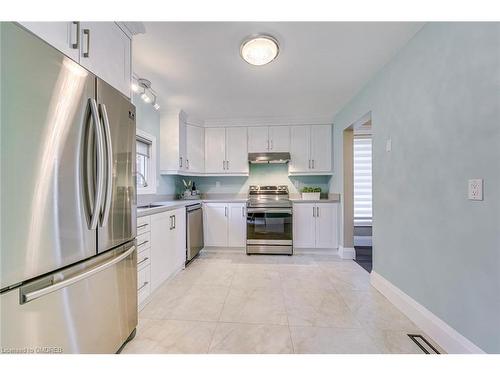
<point x="388" y="145"/>
<point x="476" y="189"/>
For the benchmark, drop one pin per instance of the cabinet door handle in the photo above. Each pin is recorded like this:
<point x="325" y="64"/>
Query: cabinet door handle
<point x="86" y="32"/>
<point x="313" y="163"/>
<point x="77" y="33"/>
<point x="243" y="211"/>
<point x="187" y="163"/>
<point x="314" y="211"/>
<point x="180" y="162"/>
<point x="142" y="261"/>
<point x="142" y="286"/>
<point x="175" y="222"/>
<point x="317" y="211"/>
<point x="171" y="222"/>
<point x="223" y="164"/>
<point x="225" y="211"/>
<point x="227" y="164"/>
<point x="142" y="226"/>
<point x="143" y="243"/>
<point x="309" y="163"/>
<point x="272" y="144"/>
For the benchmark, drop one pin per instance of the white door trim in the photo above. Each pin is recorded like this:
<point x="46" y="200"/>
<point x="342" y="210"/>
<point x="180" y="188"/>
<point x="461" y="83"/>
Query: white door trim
<point x="444" y="335"/>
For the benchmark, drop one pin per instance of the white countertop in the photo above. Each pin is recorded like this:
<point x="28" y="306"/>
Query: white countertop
<point x="178" y="203"/>
<point x="325" y="200"/>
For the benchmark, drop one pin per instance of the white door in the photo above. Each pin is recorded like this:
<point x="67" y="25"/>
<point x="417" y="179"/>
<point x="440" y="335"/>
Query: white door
<point x="61" y="35"/>
<point x="180" y="238"/>
<point x="195" y="154"/>
<point x="215" y="150"/>
<point x="236" y="150"/>
<point x="279" y="138"/>
<point x="321" y="148"/>
<point x="300" y="140"/>
<point x="215" y="224"/>
<point x="258" y="139"/>
<point x="326" y="225"/>
<point x="106" y="51"/>
<point x="237" y="231"/>
<point x="161" y="248"/>
<point x="304" y="225"/>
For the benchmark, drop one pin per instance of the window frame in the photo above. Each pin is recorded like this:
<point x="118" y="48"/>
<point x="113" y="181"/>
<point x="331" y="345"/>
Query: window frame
<point x="151" y="188"/>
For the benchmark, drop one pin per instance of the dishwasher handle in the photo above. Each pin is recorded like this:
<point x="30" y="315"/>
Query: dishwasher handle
<point x="193" y="207"/>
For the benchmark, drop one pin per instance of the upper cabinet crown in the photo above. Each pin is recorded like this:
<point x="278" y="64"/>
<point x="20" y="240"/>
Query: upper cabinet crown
<point x="226" y="151"/>
<point x="311" y="149"/>
<point x="269" y="139"/>
<point x="101" y="47"/>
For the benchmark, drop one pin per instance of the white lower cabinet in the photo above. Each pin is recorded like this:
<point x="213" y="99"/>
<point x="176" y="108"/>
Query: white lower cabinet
<point x="168" y="245"/>
<point x="315" y="225"/>
<point x="224" y="224"/>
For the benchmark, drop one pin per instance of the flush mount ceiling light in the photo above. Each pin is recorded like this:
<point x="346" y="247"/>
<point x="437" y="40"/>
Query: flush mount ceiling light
<point x="259" y="49"/>
<point x="148" y="94"/>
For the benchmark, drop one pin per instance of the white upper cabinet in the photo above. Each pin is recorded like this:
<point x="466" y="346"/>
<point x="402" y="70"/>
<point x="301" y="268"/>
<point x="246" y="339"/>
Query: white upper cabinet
<point x="321" y="148"/>
<point x="173" y="143"/>
<point x="62" y="35"/>
<point x="226" y="151"/>
<point x="299" y="149"/>
<point x="279" y="138"/>
<point x="311" y="149"/>
<point x="258" y="138"/>
<point x="236" y="150"/>
<point x="215" y="150"/>
<point x="315" y="225"/>
<point x="106" y="51"/>
<point x="101" y="47"/>
<point x="237" y="227"/>
<point x="195" y="149"/>
<point x="269" y="139"/>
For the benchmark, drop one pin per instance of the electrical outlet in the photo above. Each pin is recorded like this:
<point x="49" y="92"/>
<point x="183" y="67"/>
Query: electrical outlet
<point x="476" y="189"/>
<point x="217" y="184"/>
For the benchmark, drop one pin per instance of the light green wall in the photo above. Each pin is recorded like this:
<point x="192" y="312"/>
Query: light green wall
<point x="148" y="120"/>
<point x="260" y="174"/>
<point x="439" y="102"/>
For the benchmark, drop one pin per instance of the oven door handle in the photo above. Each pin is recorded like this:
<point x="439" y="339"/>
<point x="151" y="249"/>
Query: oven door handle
<point x="269" y="210"/>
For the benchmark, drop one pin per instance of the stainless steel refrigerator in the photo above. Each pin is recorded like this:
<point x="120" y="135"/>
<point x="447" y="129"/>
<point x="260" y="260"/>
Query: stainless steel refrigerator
<point x="68" y="203"/>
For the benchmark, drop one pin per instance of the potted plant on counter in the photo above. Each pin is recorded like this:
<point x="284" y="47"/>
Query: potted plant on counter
<point x="311" y="193"/>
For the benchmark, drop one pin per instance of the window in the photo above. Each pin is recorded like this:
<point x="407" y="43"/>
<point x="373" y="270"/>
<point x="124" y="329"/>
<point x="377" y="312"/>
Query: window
<point x="362" y="180"/>
<point x="145" y="163"/>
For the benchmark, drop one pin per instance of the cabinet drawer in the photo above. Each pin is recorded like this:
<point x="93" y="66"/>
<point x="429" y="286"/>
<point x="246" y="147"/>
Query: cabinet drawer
<point x="143" y="224"/>
<point x="143" y="284"/>
<point x="143" y="241"/>
<point x="143" y="258"/>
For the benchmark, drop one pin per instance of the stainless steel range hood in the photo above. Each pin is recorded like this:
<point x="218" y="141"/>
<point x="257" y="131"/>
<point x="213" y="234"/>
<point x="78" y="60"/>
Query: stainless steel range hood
<point x="269" y="157"/>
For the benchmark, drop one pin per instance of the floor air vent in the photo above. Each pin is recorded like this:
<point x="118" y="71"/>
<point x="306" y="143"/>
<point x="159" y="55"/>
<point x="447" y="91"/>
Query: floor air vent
<point x="423" y="344"/>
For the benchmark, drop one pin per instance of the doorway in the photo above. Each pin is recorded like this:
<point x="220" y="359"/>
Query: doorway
<point x="357" y="221"/>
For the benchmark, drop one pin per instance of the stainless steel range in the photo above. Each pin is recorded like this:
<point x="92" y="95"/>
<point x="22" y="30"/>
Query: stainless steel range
<point x="269" y="220"/>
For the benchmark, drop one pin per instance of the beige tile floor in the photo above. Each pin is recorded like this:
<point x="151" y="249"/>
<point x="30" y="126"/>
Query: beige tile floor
<point x="228" y="302"/>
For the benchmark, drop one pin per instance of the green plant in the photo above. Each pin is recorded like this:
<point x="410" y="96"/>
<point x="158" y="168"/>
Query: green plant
<point x="311" y="189"/>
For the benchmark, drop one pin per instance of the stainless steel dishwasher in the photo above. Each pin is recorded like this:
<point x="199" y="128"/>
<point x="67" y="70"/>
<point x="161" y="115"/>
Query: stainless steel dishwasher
<point x="194" y="232"/>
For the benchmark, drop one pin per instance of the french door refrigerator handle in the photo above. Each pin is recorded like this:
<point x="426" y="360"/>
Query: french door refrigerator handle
<point x="87" y="33"/>
<point x="94" y="216"/>
<point x="30" y="296"/>
<point x="109" y="166"/>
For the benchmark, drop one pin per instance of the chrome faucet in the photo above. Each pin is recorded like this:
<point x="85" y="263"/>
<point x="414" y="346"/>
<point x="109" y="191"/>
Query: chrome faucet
<point x="145" y="183"/>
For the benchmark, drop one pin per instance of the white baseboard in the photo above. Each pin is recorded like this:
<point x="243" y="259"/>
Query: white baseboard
<point x="347" y="252"/>
<point x="444" y="335"/>
<point x="314" y="251"/>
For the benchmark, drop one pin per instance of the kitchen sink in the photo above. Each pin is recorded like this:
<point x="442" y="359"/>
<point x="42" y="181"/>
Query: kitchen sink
<point x="152" y="205"/>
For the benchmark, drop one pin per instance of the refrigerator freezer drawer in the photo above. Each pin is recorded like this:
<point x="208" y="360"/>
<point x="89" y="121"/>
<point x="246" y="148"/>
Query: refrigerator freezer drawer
<point x="87" y="308"/>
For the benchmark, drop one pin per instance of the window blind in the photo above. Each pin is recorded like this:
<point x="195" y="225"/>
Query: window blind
<point x="143" y="147"/>
<point x="362" y="181"/>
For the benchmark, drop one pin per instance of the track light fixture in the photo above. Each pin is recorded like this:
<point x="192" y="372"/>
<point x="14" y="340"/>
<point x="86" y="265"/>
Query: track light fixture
<point x="148" y="95"/>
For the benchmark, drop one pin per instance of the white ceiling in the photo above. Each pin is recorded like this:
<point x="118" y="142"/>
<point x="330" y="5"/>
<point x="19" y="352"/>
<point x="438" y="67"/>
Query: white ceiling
<point x="196" y="66"/>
